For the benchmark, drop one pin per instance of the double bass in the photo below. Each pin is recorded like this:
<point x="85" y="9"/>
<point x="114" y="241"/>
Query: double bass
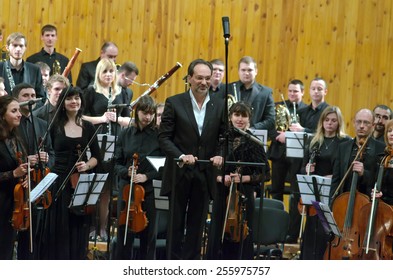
<point x="376" y="223"/>
<point x="346" y="208"/>
<point x="133" y="216"/>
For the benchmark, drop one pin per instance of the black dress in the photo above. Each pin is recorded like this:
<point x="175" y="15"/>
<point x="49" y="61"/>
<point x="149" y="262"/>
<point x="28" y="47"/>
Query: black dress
<point x="8" y="163"/>
<point x="67" y="232"/>
<point x="314" y="237"/>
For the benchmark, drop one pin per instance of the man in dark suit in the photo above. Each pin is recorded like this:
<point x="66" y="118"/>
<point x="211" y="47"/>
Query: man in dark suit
<point x="126" y="74"/>
<point x="88" y="69"/>
<point x="367" y="166"/>
<point x="190" y="130"/>
<point x="31" y="131"/>
<point x="16" y="70"/>
<point x="258" y="96"/>
<point x="283" y="167"/>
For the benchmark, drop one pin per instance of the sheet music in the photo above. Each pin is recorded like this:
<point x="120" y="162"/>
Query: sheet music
<point x="261" y="134"/>
<point x="109" y="147"/>
<point x="83" y="189"/>
<point x="327" y="218"/>
<point x="156" y="162"/>
<point x="306" y="188"/>
<point x="45" y="183"/>
<point x="295" y="143"/>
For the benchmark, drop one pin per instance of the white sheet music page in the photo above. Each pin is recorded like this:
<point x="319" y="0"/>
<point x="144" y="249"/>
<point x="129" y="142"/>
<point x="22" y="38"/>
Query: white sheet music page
<point x="45" y="183"/>
<point x="157" y="162"/>
<point x="306" y="188"/>
<point x="97" y="188"/>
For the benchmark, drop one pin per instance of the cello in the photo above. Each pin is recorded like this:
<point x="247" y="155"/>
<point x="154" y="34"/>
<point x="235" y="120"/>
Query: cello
<point x="133" y="195"/>
<point x="346" y="208"/>
<point x="376" y="223"/>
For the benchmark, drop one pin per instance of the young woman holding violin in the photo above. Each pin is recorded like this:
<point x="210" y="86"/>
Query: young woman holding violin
<point x="10" y="170"/>
<point x="67" y="232"/>
<point x="318" y="160"/>
<point x="140" y="139"/>
<point x="246" y="179"/>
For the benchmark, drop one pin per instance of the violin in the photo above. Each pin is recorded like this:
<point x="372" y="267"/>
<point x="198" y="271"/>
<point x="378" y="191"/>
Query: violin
<point x="21" y="214"/>
<point x="346" y="208"/>
<point x="74" y="178"/>
<point x="235" y="227"/>
<point x="376" y="223"/>
<point x="39" y="171"/>
<point x="133" y="195"/>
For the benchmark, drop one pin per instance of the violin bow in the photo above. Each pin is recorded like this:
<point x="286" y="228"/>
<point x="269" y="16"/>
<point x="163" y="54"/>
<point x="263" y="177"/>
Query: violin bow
<point x="59" y="191"/>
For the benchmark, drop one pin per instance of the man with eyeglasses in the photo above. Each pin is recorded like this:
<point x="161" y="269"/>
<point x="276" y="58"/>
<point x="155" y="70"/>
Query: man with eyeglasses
<point x="87" y="72"/>
<point x="126" y="74"/>
<point x="366" y="166"/>
<point x="382" y="114"/>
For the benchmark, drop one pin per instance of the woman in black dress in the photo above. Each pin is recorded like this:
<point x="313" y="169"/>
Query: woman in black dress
<point x="66" y="231"/>
<point x="142" y="139"/>
<point x="321" y="150"/>
<point x="10" y="171"/>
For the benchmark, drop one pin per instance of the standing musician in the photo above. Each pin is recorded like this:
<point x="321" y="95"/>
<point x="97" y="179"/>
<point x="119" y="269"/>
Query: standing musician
<point x="54" y="87"/>
<point x="31" y="131"/>
<point x="367" y="169"/>
<point x="16" y="70"/>
<point x="88" y="69"/>
<point x="10" y="171"/>
<point x="281" y="165"/>
<point x="142" y="139"/>
<point x="308" y="121"/>
<point x="103" y="93"/>
<point x="127" y="74"/>
<point x="67" y="232"/>
<point x="190" y="128"/>
<point x="246" y="178"/>
<point x="56" y="61"/>
<point x="322" y="152"/>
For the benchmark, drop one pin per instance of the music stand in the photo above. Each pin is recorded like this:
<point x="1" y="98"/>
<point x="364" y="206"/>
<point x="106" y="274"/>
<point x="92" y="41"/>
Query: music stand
<point x="87" y="191"/>
<point x="107" y="146"/>
<point x="307" y="190"/>
<point x="261" y="134"/>
<point x="294" y="142"/>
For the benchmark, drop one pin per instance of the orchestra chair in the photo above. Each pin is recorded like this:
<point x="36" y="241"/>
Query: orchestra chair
<point x="272" y="231"/>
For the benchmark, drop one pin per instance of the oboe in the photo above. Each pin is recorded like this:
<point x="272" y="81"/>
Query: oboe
<point x="109" y="130"/>
<point x="157" y="83"/>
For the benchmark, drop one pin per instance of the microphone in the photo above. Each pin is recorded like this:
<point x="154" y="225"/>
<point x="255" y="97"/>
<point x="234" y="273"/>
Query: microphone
<point x="117" y="106"/>
<point x="31" y="101"/>
<point x="248" y="136"/>
<point x="225" y="25"/>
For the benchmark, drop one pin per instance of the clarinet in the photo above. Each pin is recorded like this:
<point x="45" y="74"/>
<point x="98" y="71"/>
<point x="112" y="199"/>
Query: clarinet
<point x="9" y="75"/>
<point x="109" y="132"/>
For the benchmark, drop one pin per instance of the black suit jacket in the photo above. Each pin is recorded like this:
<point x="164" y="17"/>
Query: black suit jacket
<point x="179" y="135"/>
<point x="87" y="74"/>
<point x="31" y="75"/>
<point x="261" y="100"/>
<point x="371" y="158"/>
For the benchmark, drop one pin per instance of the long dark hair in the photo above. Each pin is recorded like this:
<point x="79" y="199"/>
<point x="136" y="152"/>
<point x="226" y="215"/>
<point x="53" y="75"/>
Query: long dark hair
<point x="62" y="117"/>
<point x="4" y="127"/>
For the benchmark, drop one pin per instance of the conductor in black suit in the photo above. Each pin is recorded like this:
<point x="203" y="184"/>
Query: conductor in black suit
<point x="88" y="69"/>
<point x="190" y="130"/>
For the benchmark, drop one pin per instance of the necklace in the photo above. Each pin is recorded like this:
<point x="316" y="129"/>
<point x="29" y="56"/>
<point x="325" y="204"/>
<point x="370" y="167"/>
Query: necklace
<point x="328" y="145"/>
